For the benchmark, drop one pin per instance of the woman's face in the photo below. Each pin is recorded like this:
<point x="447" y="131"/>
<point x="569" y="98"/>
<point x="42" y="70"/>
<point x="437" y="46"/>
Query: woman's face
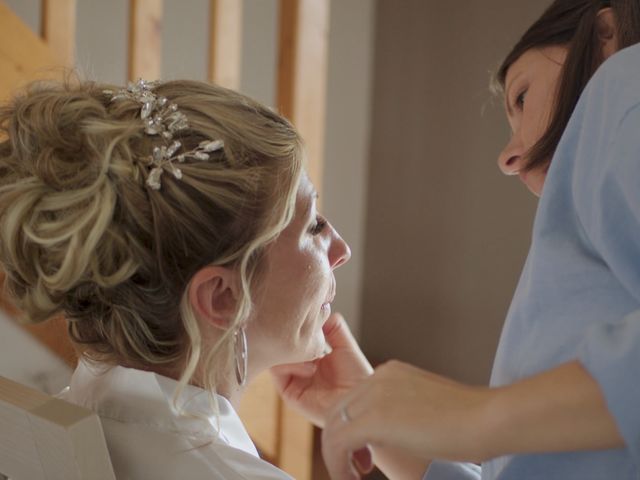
<point x="296" y="289"/>
<point x="530" y="89"/>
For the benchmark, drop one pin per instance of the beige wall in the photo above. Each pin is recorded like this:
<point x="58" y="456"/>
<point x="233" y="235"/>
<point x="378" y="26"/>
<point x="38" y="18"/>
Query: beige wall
<point x="446" y="233"/>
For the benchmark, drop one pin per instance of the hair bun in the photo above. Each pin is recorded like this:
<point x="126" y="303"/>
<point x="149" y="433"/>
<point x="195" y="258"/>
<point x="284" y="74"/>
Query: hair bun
<point x="56" y="202"/>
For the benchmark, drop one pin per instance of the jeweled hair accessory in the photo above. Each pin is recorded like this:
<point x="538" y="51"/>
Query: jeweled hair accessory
<point x="163" y="118"/>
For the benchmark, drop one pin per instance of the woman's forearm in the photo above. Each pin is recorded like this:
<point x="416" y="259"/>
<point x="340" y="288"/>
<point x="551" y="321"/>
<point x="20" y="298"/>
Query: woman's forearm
<point x="559" y="410"/>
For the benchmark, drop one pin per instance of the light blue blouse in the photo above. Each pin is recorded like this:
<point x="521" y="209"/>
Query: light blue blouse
<point x="579" y="293"/>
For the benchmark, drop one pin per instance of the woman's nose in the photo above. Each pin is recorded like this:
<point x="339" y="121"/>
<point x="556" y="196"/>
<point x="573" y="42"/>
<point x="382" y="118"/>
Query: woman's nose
<point x="511" y="159"/>
<point x="339" y="251"/>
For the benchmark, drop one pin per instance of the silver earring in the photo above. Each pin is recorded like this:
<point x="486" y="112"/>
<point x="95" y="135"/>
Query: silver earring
<point x="241" y="353"/>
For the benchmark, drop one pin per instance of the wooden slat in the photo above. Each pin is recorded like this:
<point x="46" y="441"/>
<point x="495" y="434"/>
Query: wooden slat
<point x="302" y="84"/>
<point x="145" y="39"/>
<point x="24" y="56"/>
<point x="225" y="43"/>
<point x="58" y="28"/>
<point x="260" y="412"/>
<point x="302" y="74"/>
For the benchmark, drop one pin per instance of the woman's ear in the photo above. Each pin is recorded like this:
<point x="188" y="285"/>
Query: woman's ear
<point x="607" y="28"/>
<point x="213" y="295"/>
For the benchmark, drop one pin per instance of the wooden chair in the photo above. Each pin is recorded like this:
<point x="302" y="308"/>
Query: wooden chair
<point x="42" y="437"/>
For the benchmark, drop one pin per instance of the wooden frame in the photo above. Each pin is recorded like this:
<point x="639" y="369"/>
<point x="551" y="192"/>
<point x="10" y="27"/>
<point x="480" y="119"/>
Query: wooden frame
<point x="225" y="43"/>
<point x="23" y="55"/>
<point x="58" y="28"/>
<point x="302" y="74"/>
<point x="145" y="39"/>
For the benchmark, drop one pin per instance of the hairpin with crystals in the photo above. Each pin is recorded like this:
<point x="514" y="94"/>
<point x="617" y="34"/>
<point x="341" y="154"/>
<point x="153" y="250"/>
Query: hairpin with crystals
<point x="163" y="118"/>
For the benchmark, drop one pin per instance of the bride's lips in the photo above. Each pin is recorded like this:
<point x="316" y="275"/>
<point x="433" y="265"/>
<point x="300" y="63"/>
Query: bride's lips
<point x="327" y="304"/>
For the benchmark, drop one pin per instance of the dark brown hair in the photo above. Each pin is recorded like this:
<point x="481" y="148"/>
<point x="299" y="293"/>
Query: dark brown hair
<point x="571" y="23"/>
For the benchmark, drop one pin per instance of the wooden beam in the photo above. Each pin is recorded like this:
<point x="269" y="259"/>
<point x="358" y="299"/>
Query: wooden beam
<point x="225" y="43"/>
<point x="259" y="410"/>
<point x="302" y="85"/>
<point x="24" y="56"/>
<point x="145" y="39"/>
<point x="302" y="74"/>
<point x="58" y="28"/>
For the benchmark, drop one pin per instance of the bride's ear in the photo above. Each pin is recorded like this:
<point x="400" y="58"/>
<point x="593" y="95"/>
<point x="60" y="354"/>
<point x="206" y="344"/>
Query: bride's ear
<point x="213" y="295"/>
<point x="607" y="28"/>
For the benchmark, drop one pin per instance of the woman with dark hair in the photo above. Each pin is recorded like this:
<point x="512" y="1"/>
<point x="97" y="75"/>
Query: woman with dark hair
<point x="564" y="396"/>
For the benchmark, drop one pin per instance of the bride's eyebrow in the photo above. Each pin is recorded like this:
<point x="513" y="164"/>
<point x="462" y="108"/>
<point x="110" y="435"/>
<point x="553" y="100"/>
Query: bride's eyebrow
<point x="307" y="210"/>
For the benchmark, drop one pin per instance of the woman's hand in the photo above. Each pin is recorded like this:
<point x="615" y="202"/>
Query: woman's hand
<point x="427" y="416"/>
<point x="313" y="387"/>
<point x="407" y="410"/>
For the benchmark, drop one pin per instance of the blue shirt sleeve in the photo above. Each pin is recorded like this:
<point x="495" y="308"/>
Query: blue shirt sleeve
<point x="607" y="198"/>
<point x="441" y="470"/>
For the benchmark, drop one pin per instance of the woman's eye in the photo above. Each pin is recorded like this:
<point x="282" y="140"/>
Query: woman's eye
<point x="520" y="99"/>
<point x="319" y="226"/>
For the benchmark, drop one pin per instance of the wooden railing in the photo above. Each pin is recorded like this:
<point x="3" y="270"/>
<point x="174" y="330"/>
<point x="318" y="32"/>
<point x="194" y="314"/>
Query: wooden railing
<point x="283" y="436"/>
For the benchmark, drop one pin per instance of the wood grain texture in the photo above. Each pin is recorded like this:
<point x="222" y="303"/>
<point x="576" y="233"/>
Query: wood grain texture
<point x="58" y="28"/>
<point x="260" y="412"/>
<point x="145" y="39"/>
<point x="225" y="43"/>
<point x="42" y="437"/>
<point x="24" y="56"/>
<point x="302" y="74"/>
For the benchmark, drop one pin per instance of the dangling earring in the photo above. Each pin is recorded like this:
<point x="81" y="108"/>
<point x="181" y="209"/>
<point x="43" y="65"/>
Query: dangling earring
<point x="241" y="353"/>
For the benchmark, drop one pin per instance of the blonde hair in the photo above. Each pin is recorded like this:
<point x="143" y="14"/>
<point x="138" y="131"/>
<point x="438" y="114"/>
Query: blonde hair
<point x="81" y="234"/>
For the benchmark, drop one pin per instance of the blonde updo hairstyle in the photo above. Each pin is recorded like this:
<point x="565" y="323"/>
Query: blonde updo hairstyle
<point x="82" y="234"/>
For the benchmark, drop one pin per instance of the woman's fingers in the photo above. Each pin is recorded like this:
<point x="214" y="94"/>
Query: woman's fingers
<point x="339" y="442"/>
<point x="339" y="337"/>
<point x="345" y="438"/>
<point x="337" y="332"/>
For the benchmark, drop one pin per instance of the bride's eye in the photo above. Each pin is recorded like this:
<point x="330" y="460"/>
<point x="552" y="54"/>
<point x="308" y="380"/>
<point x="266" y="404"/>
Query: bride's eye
<point x="318" y="226"/>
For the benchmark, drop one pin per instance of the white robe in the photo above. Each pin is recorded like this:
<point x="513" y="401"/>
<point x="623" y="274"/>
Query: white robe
<point x="147" y="439"/>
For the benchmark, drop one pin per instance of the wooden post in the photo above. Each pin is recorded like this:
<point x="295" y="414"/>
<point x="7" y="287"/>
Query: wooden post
<point x="302" y="74"/>
<point x="24" y="56"/>
<point x="225" y="43"/>
<point x="145" y="39"/>
<point x="302" y="85"/>
<point x="58" y="28"/>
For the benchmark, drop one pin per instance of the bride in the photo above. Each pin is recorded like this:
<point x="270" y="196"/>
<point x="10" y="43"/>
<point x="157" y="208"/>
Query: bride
<point x="174" y="227"/>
